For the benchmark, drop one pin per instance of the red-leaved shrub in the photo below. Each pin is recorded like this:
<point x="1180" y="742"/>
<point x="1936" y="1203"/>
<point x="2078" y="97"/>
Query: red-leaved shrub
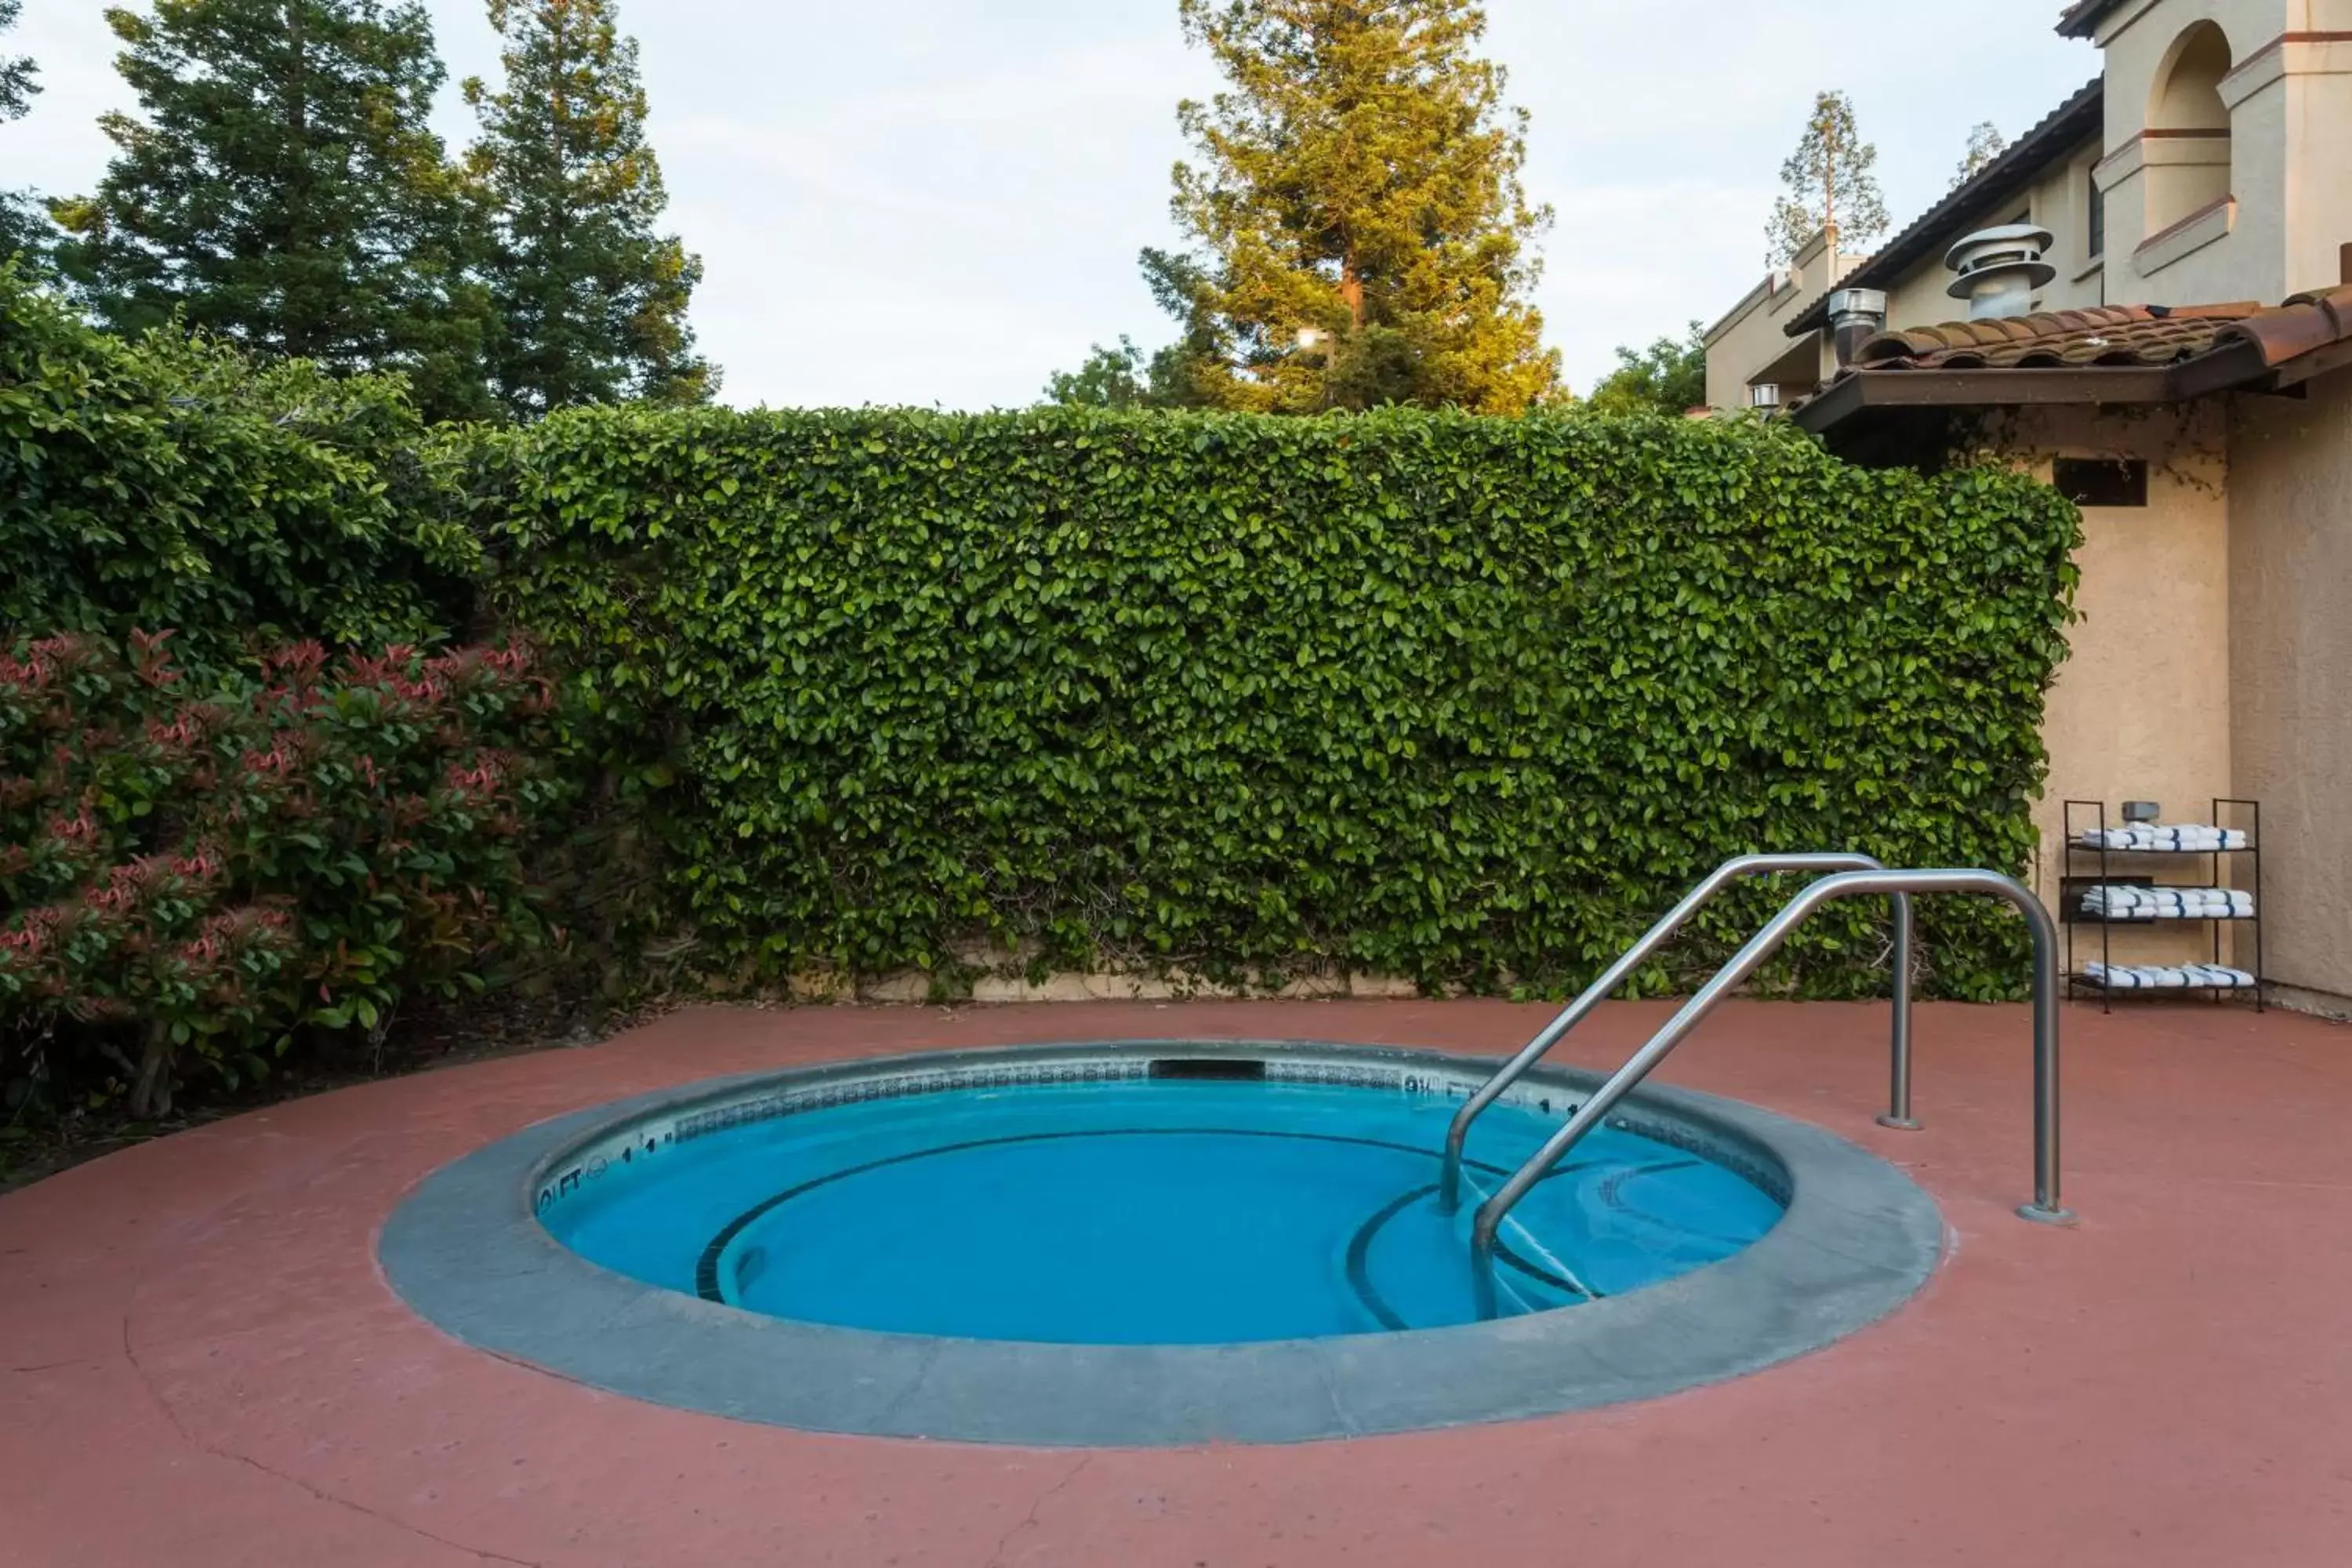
<point x="196" y="874"/>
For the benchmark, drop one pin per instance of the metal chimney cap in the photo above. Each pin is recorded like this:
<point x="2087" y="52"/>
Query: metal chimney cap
<point x="2007" y="237"/>
<point x="1858" y="302"/>
<point x="1991" y="251"/>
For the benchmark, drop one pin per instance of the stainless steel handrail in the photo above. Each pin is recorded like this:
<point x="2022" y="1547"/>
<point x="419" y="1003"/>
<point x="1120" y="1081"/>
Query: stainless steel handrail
<point x="2044" y="1209"/>
<point x="1899" y="1092"/>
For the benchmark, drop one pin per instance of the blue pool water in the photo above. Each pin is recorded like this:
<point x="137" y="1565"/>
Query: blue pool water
<point x="1147" y="1212"/>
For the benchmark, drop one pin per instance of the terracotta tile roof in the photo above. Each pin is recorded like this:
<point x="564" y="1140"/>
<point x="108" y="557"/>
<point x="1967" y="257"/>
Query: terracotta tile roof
<point x="2122" y="354"/>
<point x="2139" y="336"/>
<point x="2082" y="18"/>
<point x="2107" y="334"/>
<point x="2305" y="324"/>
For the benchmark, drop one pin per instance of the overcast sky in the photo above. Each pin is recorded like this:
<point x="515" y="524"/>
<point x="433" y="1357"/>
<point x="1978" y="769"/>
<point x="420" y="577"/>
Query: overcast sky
<point x="940" y="201"/>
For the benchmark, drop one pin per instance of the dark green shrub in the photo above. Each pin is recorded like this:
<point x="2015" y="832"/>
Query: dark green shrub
<point x="203" y="871"/>
<point x="1461" y="698"/>
<point x="169" y="481"/>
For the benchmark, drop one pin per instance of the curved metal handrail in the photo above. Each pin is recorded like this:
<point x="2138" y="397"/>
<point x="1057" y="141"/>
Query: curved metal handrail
<point x="2044" y="1209"/>
<point x="1899" y="1094"/>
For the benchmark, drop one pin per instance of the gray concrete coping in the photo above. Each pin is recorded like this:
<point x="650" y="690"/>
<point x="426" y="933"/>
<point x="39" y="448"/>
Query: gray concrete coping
<point x="467" y="1253"/>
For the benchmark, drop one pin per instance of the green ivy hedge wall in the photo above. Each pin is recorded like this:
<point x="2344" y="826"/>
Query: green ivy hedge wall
<point x="1468" y="700"/>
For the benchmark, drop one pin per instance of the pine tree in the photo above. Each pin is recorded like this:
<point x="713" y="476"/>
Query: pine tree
<point x="1828" y="184"/>
<point x="22" y="230"/>
<point x="1985" y="144"/>
<point x="592" y="302"/>
<point x="16" y="84"/>
<point x="1363" y="235"/>
<point x="284" y="191"/>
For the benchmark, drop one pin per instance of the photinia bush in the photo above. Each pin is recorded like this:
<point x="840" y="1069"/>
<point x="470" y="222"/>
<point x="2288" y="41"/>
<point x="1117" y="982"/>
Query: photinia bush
<point x="203" y="871"/>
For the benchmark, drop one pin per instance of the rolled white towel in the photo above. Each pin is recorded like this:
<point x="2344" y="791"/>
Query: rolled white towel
<point x="2168" y="977"/>
<point x="2125" y="901"/>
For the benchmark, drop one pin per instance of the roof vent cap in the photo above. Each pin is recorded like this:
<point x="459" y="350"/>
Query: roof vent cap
<point x="1997" y="270"/>
<point x="1856" y="315"/>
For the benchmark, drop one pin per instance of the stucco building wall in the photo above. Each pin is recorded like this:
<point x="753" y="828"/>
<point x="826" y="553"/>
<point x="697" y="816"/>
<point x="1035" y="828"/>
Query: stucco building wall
<point x="2291" y="669"/>
<point x="1752" y="344"/>
<point x="2214" y="657"/>
<point x="2319" y="110"/>
<point x="2141" y="709"/>
<point x="2285" y="99"/>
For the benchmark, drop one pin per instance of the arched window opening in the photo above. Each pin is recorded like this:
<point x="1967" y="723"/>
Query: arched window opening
<point x="2187" y="149"/>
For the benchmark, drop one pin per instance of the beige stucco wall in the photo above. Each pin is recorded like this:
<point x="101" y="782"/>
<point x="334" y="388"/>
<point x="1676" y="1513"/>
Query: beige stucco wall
<point x="2288" y="98"/>
<point x="2291" y="669"/>
<point x="1753" y="339"/>
<point x="2318" y="176"/>
<point x="2141" y="708"/>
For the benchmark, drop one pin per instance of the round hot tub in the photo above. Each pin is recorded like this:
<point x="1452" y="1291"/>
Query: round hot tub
<point x="1150" y="1243"/>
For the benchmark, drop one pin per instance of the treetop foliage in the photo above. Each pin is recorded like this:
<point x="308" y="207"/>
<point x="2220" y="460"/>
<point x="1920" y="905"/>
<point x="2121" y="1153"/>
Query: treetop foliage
<point x="1361" y="234"/>
<point x="590" y="299"/>
<point x="1986" y="143"/>
<point x="281" y="187"/>
<point x="24" y="229"/>
<point x="1827" y="184"/>
<point x="1668" y="377"/>
<point x="16" y="84"/>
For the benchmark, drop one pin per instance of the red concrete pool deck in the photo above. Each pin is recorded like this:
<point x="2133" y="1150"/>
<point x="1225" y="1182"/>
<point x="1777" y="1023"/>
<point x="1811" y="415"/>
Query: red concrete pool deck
<point x="200" y="1363"/>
